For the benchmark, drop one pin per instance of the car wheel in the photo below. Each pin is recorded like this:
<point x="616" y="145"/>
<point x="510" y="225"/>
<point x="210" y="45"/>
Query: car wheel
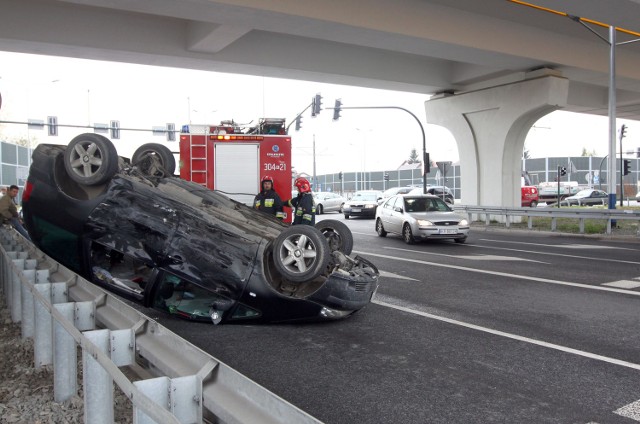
<point x="162" y="153"/>
<point x="346" y="216"/>
<point x="319" y="210"/>
<point x="407" y="235"/>
<point x="338" y="235"/>
<point x="461" y="240"/>
<point x="301" y="253"/>
<point x="380" y="229"/>
<point x="534" y="204"/>
<point x="91" y="159"/>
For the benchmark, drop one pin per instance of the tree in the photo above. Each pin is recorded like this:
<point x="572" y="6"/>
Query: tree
<point x="585" y="152"/>
<point x="413" y="156"/>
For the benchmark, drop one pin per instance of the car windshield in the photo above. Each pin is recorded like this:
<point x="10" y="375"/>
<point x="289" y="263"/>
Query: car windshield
<point x="583" y="193"/>
<point x="365" y="196"/>
<point x="425" y="204"/>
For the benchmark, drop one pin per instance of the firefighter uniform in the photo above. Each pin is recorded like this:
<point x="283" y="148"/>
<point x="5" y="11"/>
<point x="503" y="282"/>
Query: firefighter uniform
<point x="269" y="202"/>
<point x="304" y="209"/>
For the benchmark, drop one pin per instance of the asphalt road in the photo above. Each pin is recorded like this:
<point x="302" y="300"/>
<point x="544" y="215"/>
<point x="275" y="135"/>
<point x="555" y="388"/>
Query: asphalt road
<point x="508" y="328"/>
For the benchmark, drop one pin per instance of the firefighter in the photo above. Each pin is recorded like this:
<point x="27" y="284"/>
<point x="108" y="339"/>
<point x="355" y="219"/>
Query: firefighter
<point x="268" y="200"/>
<point x="304" y="207"/>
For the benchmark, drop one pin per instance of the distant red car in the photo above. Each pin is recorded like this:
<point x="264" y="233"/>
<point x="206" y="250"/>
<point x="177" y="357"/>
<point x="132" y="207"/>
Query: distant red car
<point x="529" y="196"/>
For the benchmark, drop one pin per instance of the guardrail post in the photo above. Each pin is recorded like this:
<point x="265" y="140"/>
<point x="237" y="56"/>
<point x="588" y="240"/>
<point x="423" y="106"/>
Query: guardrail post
<point x="16" y="304"/>
<point x="65" y="365"/>
<point x="179" y="395"/>
<point x="581" y="225"/>
<point x="27" y="323"/>
<point x="96" y="381"/>
<point x="554" y="223"/>
<point x="43" y="336"/>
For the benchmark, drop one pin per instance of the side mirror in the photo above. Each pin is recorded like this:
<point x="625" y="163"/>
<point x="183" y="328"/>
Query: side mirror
<point x="398" y="209"/>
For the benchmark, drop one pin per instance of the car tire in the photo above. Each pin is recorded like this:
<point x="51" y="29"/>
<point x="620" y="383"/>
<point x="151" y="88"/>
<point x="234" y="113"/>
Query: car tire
<point x="300" y="263"/>
<point x="319" y="210"/>
<point x="164" y="155"/>
<point x="346" y="216"/>
<point x="337" y="234"/>
<point x="460" y="240"/>
<point x="380" y="228"/>
<point x="534" y="204"/>
<point x="91" y="159"/>
<point x="407" y="234"/>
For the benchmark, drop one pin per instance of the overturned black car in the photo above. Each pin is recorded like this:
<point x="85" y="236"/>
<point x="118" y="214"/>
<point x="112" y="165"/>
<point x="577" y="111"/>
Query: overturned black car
<point x="135" y="229"/>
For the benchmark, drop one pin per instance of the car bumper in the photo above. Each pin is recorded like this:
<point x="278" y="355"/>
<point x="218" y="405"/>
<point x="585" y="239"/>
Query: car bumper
<point x="439" y="233"/>
<point x="368" y="212"/>
<point x="344" y="293"/>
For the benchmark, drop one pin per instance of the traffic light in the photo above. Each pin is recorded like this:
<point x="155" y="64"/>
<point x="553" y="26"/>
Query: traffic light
<point x="52" y="126"/>
<point x="623" y="131"/>
<point x="171" y="131"/>
<point x="626" y="167"/>
<point x="316" y="105"/>
<point x="337" y="109"/>
<point x="563" y="171"/>
<point x="427" y="163"/>
<point x="298" y="122"/>
<point x="115" y="129"/>
<point x="340" y="175"/>
<point x="386" y="176"/>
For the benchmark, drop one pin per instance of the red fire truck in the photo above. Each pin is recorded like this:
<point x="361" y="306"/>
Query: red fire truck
<point x="226" y="158"/>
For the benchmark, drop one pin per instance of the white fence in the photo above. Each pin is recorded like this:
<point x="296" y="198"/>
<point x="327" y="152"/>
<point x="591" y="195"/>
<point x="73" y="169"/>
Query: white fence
<point x="61" y="311"/>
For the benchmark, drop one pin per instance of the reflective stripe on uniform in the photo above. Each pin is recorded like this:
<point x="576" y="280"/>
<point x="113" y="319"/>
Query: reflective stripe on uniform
<point x="268" y="203"/>
<point x="307" y="216"/>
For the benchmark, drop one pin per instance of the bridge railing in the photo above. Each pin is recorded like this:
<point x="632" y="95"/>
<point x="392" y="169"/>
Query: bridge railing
<point x="61" y="311"/>
<point x="508" y="216"/>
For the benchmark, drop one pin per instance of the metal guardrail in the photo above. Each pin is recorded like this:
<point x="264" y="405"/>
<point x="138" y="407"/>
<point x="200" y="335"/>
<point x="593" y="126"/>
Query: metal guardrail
<point x="510" y="215"/>
<point x="61" y="311"/>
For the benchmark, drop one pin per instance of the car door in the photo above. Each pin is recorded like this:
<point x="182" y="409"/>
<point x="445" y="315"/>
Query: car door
<point x="332" y="202"/>
<point x="396" y="218"/>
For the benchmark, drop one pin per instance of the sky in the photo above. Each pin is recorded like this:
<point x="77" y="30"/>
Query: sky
<point x="83" y="92"/>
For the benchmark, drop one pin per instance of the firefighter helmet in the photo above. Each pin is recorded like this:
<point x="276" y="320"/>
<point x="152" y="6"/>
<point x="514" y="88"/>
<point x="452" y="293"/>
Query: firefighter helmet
<point x="302" y="184"/>
<point x="266" y="179"/>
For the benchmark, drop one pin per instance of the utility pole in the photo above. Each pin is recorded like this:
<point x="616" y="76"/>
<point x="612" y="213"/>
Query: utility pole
<point x="315" y="185"/>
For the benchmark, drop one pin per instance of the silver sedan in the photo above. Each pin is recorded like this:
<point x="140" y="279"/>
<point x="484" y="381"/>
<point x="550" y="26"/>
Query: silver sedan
<point x="420" y="217"/>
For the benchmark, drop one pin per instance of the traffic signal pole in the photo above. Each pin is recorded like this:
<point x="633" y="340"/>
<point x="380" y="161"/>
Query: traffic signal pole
<point x="424" y="137"/>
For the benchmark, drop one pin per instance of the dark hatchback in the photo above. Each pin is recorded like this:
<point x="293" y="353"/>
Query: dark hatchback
<point x="135" y="229"/>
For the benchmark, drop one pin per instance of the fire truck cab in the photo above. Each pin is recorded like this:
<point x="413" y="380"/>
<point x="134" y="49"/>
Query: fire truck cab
<point x="232" y="160"/>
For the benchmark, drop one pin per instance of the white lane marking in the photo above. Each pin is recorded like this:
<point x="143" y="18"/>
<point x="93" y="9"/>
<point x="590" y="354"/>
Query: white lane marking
<point x="392" y="275"/>
<point x="365" y="234"/>
<point x="623" y="284"/>
<point x="513" y="336"/>
<point x="568" y="246"/>
<point x="504" y="274"/>
<point x="631" y="410"/>
<point x="473" y="258"/>
<point x="591" y="258"/>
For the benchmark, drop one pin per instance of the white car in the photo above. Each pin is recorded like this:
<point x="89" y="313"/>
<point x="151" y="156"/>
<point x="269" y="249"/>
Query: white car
<point x="420" y="217"/>
<point x="328" y="202"/>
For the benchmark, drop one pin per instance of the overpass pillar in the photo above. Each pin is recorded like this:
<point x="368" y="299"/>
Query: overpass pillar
<point x="490" y="126"/>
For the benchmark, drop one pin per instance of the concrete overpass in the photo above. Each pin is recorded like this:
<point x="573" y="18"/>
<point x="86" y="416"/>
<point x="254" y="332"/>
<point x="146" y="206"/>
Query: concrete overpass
<point x="494" y="66"/>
